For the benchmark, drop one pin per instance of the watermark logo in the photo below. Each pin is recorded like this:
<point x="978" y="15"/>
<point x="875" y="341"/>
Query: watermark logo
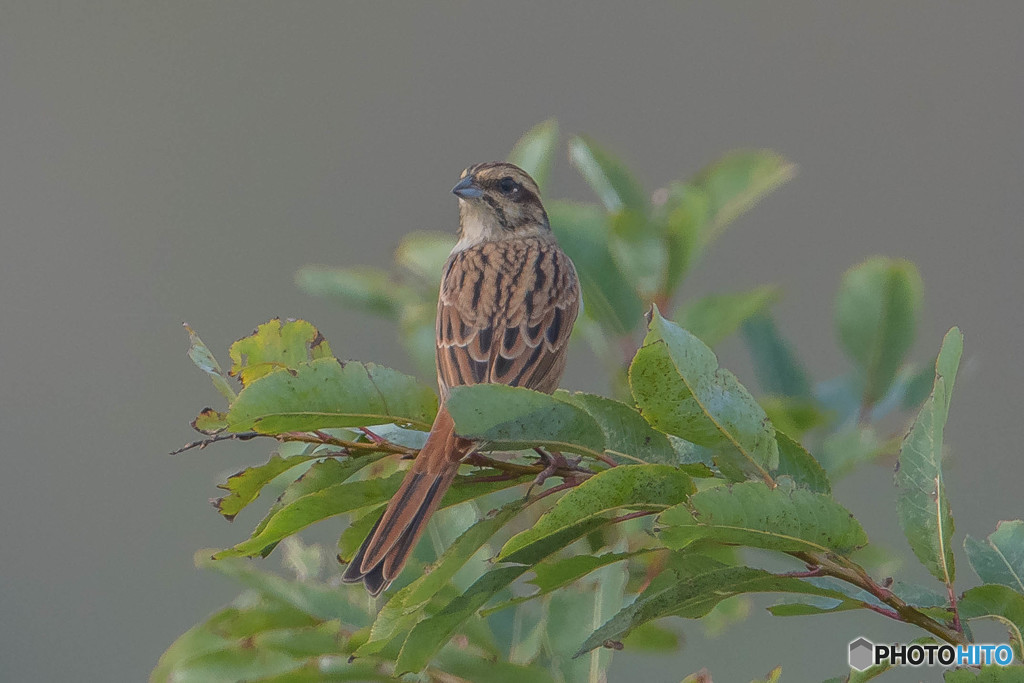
<point x="863" y="654"/>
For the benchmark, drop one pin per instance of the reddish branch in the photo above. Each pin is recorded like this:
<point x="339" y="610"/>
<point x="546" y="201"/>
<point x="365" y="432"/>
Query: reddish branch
<point x="846" y="570"/>
<point x="377" y="444"/>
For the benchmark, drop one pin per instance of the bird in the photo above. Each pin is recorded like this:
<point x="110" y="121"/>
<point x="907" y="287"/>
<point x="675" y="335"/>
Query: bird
<point x="508" y="300"/>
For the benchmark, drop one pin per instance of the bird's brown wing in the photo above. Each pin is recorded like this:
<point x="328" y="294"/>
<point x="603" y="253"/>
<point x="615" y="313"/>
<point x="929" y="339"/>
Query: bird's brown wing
<point x="504" y="315"/>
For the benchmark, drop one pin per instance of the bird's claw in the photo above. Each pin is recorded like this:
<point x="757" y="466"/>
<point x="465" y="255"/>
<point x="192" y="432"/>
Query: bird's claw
<point x="553" y="463"/>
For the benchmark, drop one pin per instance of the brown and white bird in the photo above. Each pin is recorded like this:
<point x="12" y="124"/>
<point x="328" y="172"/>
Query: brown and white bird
<point x="509" y="297"/>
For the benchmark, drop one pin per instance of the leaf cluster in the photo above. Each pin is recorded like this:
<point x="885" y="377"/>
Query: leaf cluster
<point x="639" y="507"/>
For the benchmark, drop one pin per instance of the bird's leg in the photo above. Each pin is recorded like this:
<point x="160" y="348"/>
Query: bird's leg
<point x="552" y="463"/>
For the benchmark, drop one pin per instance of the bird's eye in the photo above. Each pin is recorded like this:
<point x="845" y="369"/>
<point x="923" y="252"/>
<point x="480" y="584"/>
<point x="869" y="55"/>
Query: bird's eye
<point x="508" y="186"/>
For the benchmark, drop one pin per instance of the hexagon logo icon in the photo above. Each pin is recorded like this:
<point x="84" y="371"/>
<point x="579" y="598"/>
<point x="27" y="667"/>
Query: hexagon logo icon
<point x="861" y="654"/>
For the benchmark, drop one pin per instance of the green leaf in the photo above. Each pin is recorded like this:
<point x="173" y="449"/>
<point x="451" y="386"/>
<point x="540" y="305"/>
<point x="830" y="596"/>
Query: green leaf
<point x="583" y="231"/>
<point x="553" y="575"/>
<point x="776" y="366"/>
<point x="327" y="393"/>
<point x="321" y="475"/>
<point x="804" y="609"/>
<point x="690" y="589"/>
<point x="204" y="360"/>
<point x="842" y="451"/>
<point x="244" y="486"/>
<point x="427" y="637"/>
<point x="680" y="389"/>
<point x="314" y="507"/>
<point x="715" y="317"/>
<point x="737" y="181"/>
<point x="247" y="616"/>
<point x="992" y="673"/>
<point x="535" y="151"/>
<point x="1000" y="558"/>
<point x="650" y="637"/>
<point x="275" y="345"/>
<point x="559" y="573"/>
<point x="795" y="416"/>
<point x="424" y="254"/>
<point x="773" y="676"/>
<point x="796" y="462"/>
<point x="348" y="496"/>
<point x="410" y="438"/>
<point x="995" y="601"/>
<point x="511" y="418"/>
<point x="210" y="422"/>
<point x="751" y="514"/>
<point x="627" y="435"/>
<point x="684" y="216"/>
<point x="915" y="387"/>
<point x="613" y="183"/>
<point x="920" y="596"/>
<point x="906" y="393"/>
<point x="639" y="252"/>
<point x="644" y="487"/>
<point x="320" y="600"/>
<point x="356" y="532"/>
<point x="606" y="599"/>
<point x="405" y="608"/>
<point x="922" y="504"/>
<point x="570" y="614"/>
<point x="466" y="666"/>
<point x="370" y="289"/>
<point x="261" y="657"/>
<point x="876" y="312"/>
<point x="416" y="324"/>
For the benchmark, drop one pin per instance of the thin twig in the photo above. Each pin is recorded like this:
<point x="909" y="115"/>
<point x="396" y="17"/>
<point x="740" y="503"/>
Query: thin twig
<point x="508" y="476"/>
<point x="568" y="484"/>
<point x="846" y="570"/>
<point x="203" y="443"/>
<point x="811" y="572"/>
<point x="884" y="611"/>
<point x="328" y="440"/>
<point x="952" y="604"/>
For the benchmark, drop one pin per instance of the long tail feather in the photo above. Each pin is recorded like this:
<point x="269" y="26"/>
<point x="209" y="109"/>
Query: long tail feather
<point x="387" y="547"/>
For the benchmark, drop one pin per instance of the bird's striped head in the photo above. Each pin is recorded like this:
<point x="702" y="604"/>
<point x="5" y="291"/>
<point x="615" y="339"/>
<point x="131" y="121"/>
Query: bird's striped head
<point x="497" y="201"/>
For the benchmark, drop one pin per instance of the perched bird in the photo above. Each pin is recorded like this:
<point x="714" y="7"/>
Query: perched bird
<point x="508" y="300"/>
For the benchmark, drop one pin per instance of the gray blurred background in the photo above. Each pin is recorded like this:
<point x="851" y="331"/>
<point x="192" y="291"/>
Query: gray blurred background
<point x="164" y="162"/>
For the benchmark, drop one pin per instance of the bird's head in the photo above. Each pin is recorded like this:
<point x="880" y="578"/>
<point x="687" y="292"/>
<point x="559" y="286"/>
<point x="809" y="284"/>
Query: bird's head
<point x="498" y="201"/>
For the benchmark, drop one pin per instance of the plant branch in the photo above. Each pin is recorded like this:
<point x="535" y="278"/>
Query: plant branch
<point x="568" y="484"/>
<point x="203" y="443"/>
<point x="952" y="603"/>
<point x="381" y="445"/>
<point x="846" y="570"/>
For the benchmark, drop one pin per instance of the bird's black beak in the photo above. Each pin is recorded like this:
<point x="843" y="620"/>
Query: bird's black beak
<point x="466" y="189"/>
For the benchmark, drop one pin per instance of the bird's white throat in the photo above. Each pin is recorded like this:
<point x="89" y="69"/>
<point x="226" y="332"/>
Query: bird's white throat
<point x="474" y="231"/>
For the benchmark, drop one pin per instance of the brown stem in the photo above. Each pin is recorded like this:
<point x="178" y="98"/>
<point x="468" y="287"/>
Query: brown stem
<point x="494" y="477"/>
<point x="952" y="604"/>
<point x="381" y="445"/>
<point x="885" y="612"/>
<point x="203" y="443"/>
<point x="554" y="489"/>
<point x="811" y="571"/>
<point x="328" y="440"/>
